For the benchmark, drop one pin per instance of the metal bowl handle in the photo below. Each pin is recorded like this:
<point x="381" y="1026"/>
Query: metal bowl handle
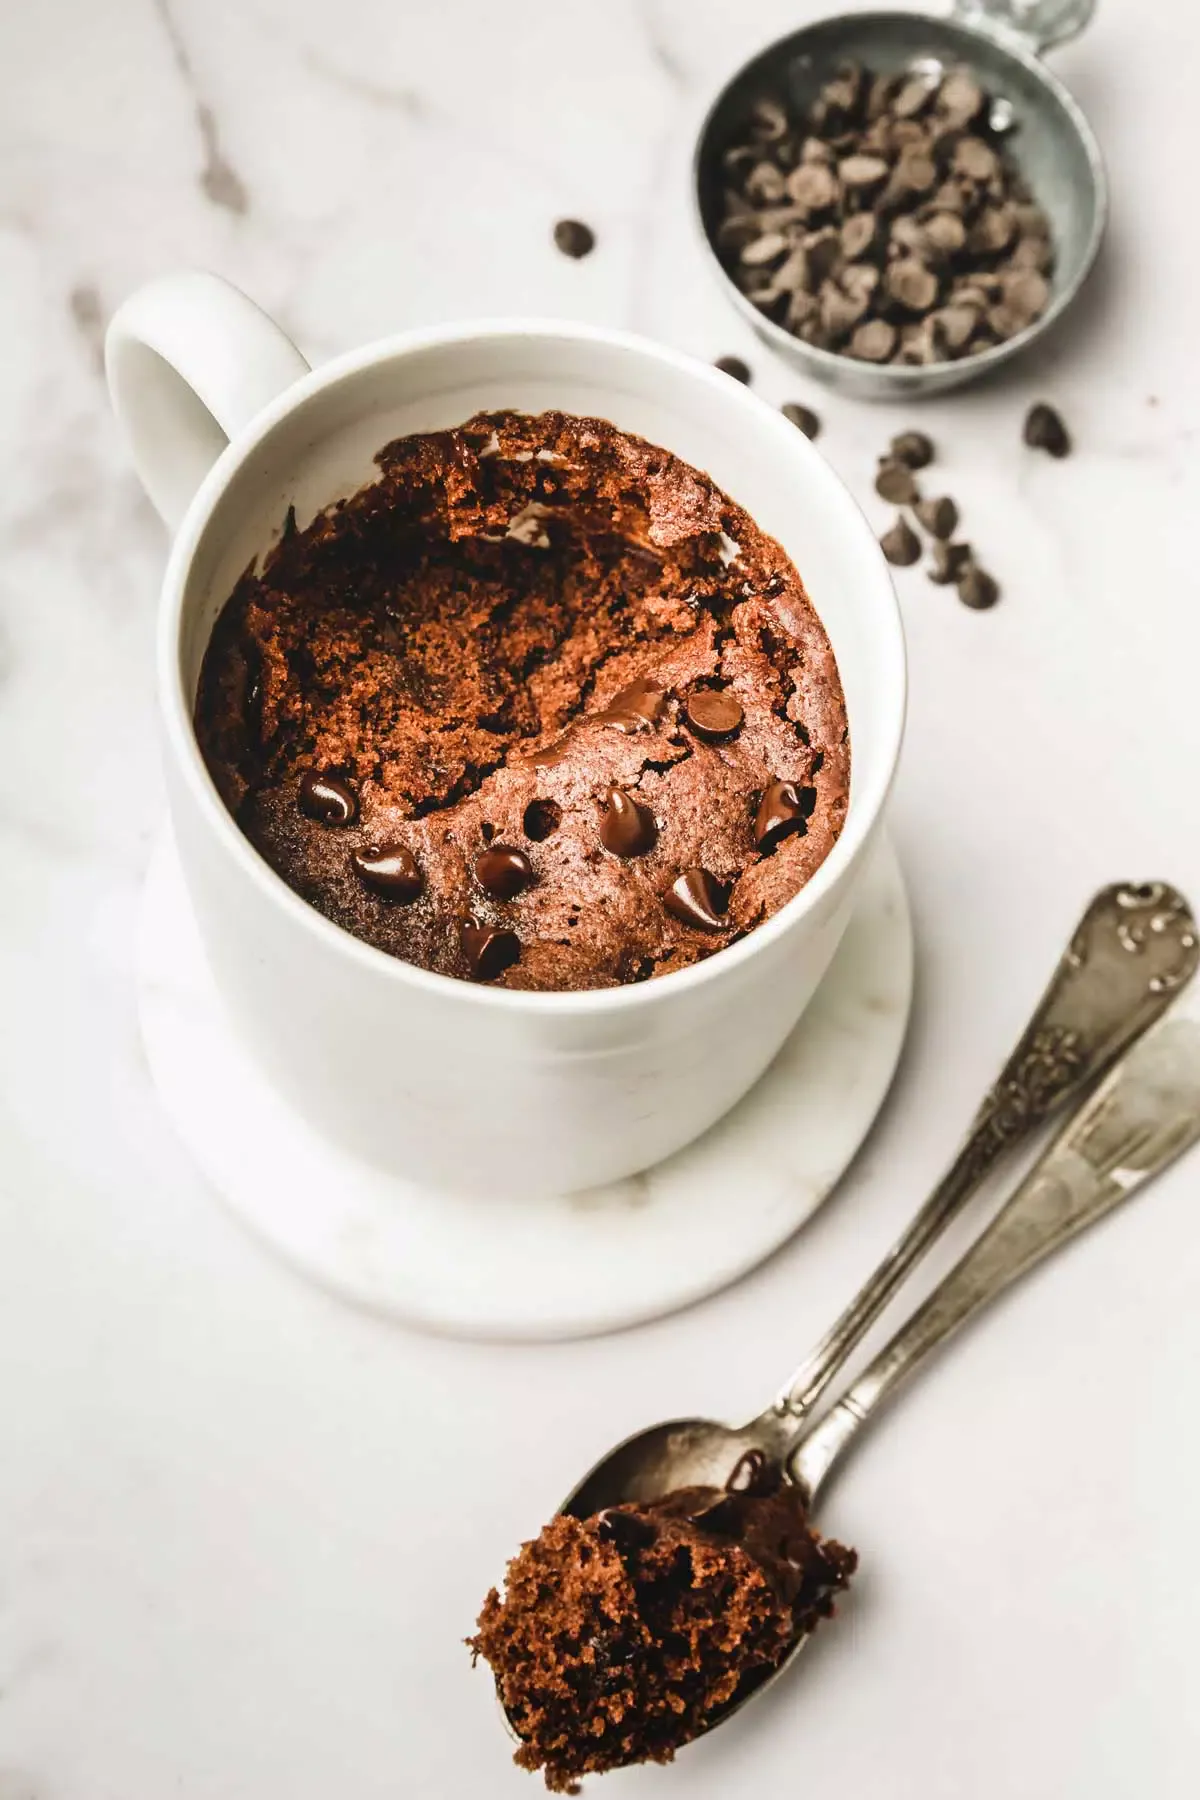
<point x="1029" y="25"/>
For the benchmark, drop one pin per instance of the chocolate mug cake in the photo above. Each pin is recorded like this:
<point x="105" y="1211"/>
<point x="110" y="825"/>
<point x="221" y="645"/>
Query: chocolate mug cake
<point x="540" y="707"/>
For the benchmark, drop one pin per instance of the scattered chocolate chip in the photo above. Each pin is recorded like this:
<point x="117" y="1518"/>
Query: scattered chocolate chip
<point x="389" y="870"/>
<point x="939" y="517"/>
<point x="488" y="951"/>
<point x="503" y="872"/>
<point x="1044" y="430"/>
<point x="947" y="561"/>
<point x="977" y="589"/>
<point x="802" y="417"/>
<point x="785" y="807"/>
<point x="627" y="1530"/>
<point x="640" y="704"/>
<point x="894" y="482"/>
<point x="698" y="899"/>
<point x="628" y="828"/>
<point x="541" y="819"/>
<point x="327" y="798"/>
<point x="913" y="449"/>
<point x="900" y="544"/>
<point x="574" y="238"/>
<point x="754" y="1472"/>
<point x="713" y="714"/>
<point x="733" y="365"/>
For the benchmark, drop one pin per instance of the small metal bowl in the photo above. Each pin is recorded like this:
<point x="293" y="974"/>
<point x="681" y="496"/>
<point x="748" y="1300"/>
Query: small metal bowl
<point x="1001" y="41"/>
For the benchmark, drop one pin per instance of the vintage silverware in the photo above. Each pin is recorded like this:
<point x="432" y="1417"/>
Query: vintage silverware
<point x="1132" y="951"/>
<point x="1003" y="41"/>
<point x="1143" y="1115"/>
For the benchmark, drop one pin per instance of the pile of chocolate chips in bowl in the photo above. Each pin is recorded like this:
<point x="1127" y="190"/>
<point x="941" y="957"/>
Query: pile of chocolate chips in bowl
<point x="888" y="223"/>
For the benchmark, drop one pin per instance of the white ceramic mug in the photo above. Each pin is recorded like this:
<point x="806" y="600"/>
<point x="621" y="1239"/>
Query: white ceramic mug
<point x="432" y="1077"/>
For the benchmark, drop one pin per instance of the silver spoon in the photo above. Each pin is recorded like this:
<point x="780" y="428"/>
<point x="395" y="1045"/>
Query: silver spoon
<point x="1141" y="1117"/>
<point x="1133" y="949"/>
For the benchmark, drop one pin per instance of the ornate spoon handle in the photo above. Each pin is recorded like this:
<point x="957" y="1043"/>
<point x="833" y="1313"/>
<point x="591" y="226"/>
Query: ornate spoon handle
<point x="1133" y="949"/>
<point x="1139" y="1120"/>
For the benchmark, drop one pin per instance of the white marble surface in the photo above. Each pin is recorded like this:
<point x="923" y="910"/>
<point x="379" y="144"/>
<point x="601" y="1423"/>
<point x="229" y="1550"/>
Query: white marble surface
<point x="243" y="1529"/>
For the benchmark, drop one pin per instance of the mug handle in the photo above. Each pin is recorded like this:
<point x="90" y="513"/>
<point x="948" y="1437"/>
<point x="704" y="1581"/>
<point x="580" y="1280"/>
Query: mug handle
<point x="190" y="361"/>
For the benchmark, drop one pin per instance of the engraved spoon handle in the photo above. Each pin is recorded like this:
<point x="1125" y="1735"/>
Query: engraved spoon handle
<point x="1133" y="949"/>
<point x="1141" y="1117"/>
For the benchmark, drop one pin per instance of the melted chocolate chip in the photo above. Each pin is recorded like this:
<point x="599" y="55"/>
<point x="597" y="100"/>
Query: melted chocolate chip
<point x="753" y="1473"/>
<point x="327" y="798"/>
<point x="628" y="828"/>
<point x="389" y="870"/>
<point x="698" y="899"/>
<point x="628" y="1531"/>
<point x="634" y="708"/>
<point x="722" y="1516"/>
<point x="488" y="952"/>
<point x="713" y="715"/>
<point x="502" y="871"/>
<point x="784" y="808"/>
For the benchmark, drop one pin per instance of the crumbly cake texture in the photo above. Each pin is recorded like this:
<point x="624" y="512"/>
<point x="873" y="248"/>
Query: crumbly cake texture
<point x="621" y="1637"/>
<point x="518" y="617"/>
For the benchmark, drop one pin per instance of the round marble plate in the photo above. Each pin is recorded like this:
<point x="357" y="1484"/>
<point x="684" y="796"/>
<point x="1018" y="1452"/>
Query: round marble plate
<point x="557" y="1267"/>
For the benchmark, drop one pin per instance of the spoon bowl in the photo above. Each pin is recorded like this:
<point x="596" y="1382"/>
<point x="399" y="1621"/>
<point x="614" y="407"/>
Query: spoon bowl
<point x="676" y="1453"/>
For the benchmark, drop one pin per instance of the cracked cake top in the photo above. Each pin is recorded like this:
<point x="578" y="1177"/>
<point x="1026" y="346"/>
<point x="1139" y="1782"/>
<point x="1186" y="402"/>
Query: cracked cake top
<point x="540" y="706"/>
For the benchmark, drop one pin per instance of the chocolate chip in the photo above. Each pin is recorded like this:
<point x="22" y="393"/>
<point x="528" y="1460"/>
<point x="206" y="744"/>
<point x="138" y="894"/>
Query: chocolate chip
<point x="977" y="589"/>
<point x="860" y="236"/>
<point x="894" y="482"/>
<point x="628" y="828"/>
<point x="874" y="341"/>
<point x="947" y="561"/>
<point x="574" y="238"/>
<point x="939" y="517"/>
<point x="713" y="714"/>
<point x="975" y="159"/>
<point x="912" y="285"/>
<point x="754" y="1472"/>
<point x="733" y="365"/>
<point x="640" y="704"/>
<point x="802" y="417"/>
<point x="488" y="951"/>
<point x="863" y="173"/>
<point x="913" y="449"/>
<point x="698" y="899"/>
<point x="960" y="98"/>
<point x="503" y="872"/>
<point x="785" y="807"/>
<point x="900" y="544"/>
<point x="627" y="1530"/>
<point x="1044" y="430"/>
<point x="389" y="870"/>
<point x="327" y="798"/>
<point x="812" y="187"/>
<point x="541" y="819"/>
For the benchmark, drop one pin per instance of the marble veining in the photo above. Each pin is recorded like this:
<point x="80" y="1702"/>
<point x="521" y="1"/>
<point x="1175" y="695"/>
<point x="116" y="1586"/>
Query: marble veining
<point x="237" y="1555"/>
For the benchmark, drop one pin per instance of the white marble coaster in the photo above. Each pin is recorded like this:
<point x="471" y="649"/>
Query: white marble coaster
<point x="554" y="1267"/>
